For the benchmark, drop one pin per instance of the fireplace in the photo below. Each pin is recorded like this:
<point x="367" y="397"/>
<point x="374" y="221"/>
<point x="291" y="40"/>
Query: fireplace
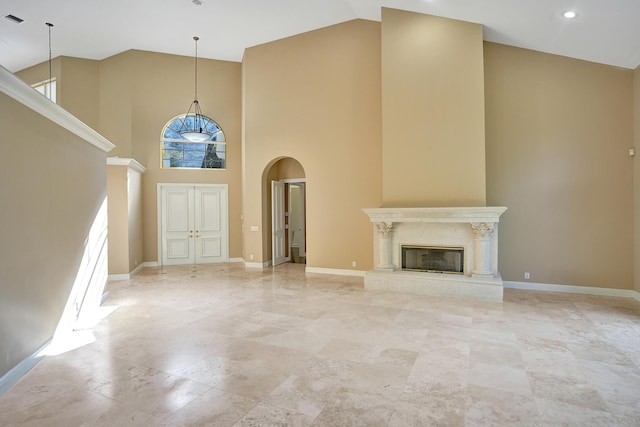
<point x="436" y="251"/>
<point x="433" y="259"/>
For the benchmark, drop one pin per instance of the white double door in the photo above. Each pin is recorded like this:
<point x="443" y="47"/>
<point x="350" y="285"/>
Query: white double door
<point x="193" y="224"/>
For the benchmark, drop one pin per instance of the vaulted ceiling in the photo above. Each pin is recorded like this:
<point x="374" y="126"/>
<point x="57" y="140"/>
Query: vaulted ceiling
<point x="603" y="31"/>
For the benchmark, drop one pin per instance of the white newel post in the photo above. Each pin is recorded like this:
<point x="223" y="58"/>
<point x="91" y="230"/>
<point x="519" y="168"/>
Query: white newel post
<point x="384" y="246"/>
<point x="482" y="236"/>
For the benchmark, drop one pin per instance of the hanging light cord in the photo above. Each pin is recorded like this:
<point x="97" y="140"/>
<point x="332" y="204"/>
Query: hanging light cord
<point x="50" y="73"/>
<point x="196" y="38"/>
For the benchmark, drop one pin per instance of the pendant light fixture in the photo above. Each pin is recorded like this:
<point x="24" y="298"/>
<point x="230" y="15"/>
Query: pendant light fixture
<point x="194" y="124"/>
<point x="50" y="84"/>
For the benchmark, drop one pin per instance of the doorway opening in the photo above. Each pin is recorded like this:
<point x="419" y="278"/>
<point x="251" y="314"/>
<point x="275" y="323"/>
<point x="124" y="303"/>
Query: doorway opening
<point x="286" y="182"/>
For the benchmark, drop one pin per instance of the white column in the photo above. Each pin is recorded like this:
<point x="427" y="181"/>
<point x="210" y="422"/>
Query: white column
<point x="482" y="237"/>
<point x="384" y="246"/>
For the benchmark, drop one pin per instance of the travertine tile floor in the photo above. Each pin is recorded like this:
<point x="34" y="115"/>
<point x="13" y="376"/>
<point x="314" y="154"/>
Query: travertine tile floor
<point x="223" y="345"/>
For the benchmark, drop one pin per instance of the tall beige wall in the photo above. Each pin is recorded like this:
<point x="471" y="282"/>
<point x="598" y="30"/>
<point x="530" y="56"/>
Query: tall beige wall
<point x="80" y="88"/>
<point x="156" y="88"/>
<point x="315" y="97"/>
<point x="432" y="111"/>
<point x="115" y="102"/>
<point x="636" y="177"/>
<point x="53" y="185"/>
<point x="558" y="130"/>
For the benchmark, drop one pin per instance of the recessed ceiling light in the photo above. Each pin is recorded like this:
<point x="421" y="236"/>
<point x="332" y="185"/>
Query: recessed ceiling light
<point x="569" y="14"/>
<point x="14" y="18"/>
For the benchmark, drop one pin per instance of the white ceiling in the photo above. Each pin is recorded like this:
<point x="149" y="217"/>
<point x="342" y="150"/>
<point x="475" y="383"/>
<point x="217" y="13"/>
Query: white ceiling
<point x="605" y="31"/>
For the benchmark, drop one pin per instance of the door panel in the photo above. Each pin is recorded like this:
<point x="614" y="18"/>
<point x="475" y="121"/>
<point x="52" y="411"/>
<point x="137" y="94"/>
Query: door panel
<point x="210" y="224"/>
<point x="177" y="226"/>
<point x="178" y="249"/>
<point x="277" y="220"/>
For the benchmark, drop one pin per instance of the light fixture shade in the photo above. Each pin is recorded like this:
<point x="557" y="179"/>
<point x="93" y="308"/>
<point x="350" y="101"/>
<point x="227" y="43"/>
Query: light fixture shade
<point x="195" y="136"/>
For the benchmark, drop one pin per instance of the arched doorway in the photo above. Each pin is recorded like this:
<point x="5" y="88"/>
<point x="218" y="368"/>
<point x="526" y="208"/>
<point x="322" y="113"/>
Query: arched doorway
<point x="285" y="183"/>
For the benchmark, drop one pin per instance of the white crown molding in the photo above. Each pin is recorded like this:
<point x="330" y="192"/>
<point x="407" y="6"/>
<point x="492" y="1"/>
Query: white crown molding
<point x="124" y="161"/>
<point x="15" y="88"/>
<point x="571" y="289"/>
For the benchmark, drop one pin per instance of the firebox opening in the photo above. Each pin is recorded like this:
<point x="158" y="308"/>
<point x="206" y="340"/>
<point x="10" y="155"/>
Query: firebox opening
<point x="433" y="259"/>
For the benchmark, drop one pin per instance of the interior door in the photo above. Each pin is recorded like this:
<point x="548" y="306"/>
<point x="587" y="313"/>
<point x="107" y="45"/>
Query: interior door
<point x="177" y="225"/>
<point x="277" y="223"/>
<point x="210" y="226"/>
<point x="193" y="224"/>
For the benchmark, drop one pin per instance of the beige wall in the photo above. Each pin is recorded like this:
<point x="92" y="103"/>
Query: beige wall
<point x="315" y="97"/>
<point x="53" y="184"/>
<point x="432" y="111"/>
<point x="142" y="91"/>
<point x="636" y="178"/>
<point x="126" y="244"/>
<point x="118" y="219"/>
<point x="115" y="102"/>
<point x="558" y="130"/>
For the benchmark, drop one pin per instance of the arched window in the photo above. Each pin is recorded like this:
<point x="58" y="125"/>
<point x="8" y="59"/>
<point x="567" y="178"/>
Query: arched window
<point x="177" y="152"/>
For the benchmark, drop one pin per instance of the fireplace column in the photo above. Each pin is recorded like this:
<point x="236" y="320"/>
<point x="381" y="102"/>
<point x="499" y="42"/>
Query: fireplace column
<point x="384" y="246"/>
<point x="482" y="237"/>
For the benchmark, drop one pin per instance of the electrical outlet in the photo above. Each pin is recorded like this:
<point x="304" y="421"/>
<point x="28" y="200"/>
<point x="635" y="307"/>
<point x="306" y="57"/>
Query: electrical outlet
<point x="527" y="275"/>
<point x="251" y="257"/>
<point x="353" y="264"/>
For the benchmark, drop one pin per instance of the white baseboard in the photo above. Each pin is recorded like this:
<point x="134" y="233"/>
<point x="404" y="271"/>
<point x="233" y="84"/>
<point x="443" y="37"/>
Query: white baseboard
<point x="257" y="264"/>
<point x="588" y="290"/>
<point x="18" y="371"/>
<point x="236" y="260"/>
<point x="150" y="264"/>
<point x="336" y="271"/>
<point x="116" y="277"/>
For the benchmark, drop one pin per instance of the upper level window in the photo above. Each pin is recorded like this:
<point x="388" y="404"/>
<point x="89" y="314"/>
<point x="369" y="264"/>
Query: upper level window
<point x="178" y="152"/>
<point x="47" y="88"/>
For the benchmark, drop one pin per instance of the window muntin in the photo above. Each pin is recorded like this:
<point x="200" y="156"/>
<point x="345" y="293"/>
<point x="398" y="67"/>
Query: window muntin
<point x="47" y="88"/>
<point x="178" y="152"/>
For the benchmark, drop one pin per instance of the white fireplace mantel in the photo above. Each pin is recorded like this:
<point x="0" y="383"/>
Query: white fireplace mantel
<point x="469" y="215"/>
<point x="473" y="228"/>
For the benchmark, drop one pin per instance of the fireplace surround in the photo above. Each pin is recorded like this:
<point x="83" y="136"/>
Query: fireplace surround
<point x="472" y="229"/>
